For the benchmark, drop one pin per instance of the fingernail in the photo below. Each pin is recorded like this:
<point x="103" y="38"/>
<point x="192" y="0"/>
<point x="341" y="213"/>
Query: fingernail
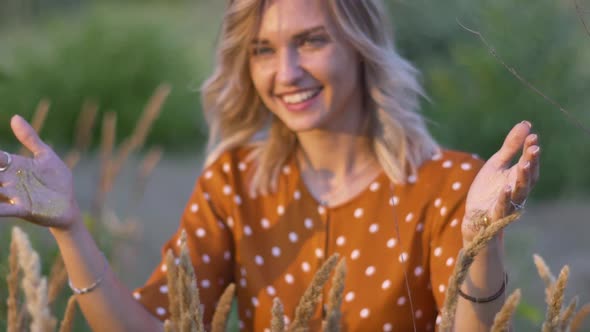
<point x="527" y="123"/>
<point x="508" y="189"/>
<point x="535" y="150"/>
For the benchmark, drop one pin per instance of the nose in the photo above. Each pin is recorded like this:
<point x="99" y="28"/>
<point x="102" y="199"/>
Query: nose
<point x="289" y="70"/>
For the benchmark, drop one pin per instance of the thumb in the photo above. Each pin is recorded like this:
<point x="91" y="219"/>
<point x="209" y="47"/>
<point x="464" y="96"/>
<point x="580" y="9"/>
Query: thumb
<point x="27" y="135"/>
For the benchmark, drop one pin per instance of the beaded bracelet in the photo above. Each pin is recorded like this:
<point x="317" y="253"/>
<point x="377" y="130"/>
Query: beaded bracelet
<point x="489" y="298"/>
<point x="79" y="291"/>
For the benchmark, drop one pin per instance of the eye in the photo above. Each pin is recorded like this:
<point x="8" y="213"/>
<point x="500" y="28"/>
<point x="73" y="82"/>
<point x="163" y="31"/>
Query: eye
<point x="314" y="41"/>
<point x="261" y="50"/>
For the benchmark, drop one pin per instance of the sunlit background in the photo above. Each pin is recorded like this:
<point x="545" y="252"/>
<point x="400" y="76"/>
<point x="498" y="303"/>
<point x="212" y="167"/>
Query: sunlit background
<point x="115" y="54"/>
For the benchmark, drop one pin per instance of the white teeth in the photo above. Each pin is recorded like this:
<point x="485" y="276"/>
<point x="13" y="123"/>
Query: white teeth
<point x="300" y="97"/>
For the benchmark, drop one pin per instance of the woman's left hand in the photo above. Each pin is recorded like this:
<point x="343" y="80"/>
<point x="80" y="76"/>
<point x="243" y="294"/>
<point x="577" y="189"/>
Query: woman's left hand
<point x="500" y="187"/>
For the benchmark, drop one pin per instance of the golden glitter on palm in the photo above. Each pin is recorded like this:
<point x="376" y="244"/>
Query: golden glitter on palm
<point x="37" y="189"/>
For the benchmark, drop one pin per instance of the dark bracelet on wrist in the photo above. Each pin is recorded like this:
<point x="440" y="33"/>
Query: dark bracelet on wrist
<point x="486" y="299"/>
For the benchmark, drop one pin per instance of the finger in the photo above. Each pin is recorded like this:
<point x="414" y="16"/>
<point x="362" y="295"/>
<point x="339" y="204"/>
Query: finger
<point x="513" y="143"/>
<point x="502" y="207"/>
<point x="531" y="139"/>
<point x="535" y="152"/>
<point x="522" y="184"/>
<point x="27" y="135"/>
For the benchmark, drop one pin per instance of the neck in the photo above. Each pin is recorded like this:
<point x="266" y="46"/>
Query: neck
<point x="337" y="156"/>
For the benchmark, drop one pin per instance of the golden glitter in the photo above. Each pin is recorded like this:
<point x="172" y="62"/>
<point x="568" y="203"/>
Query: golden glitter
<point x="46" y="205"/>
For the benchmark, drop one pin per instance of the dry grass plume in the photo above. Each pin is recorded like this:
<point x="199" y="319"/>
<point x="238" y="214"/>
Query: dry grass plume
<point x="504" y="316"/>
<point x="223" y="309"/>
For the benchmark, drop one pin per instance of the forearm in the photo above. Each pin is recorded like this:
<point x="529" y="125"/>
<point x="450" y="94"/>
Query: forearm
<point x="485" y="277"/>
<point x="110" y="306"/>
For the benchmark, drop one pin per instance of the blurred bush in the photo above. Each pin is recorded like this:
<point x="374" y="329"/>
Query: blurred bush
<point x="117" y="53"/>
<point x="475" y="100"/>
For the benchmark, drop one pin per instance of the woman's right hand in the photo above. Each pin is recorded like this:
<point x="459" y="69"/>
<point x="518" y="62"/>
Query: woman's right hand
<point x="38" y="189"/>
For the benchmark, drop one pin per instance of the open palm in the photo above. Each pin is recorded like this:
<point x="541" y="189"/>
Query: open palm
<point x="38" y="189"/>
<point x="501" y="187"/>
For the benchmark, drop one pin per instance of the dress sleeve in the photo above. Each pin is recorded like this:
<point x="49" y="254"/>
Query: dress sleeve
<point x="446" y="238"/>
<point x="210" y="242"/>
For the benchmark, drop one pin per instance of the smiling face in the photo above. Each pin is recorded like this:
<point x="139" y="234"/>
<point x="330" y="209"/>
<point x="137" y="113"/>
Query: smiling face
<point x="302" y="69"/>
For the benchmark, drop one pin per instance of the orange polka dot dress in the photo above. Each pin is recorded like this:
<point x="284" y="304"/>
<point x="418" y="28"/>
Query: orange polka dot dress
<point x="400" y="243"/>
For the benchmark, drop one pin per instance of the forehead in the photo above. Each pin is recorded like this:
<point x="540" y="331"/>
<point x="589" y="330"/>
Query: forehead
<point x="288" y="17"/>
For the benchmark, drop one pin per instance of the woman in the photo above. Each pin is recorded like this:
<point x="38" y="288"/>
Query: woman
<point x="316" y="148"/>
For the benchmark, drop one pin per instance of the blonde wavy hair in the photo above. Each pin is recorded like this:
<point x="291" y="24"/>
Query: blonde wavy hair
<point x="236" y="115"/>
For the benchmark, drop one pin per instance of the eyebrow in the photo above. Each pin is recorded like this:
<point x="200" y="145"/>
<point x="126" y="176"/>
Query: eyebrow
<point x="299" y="35"/>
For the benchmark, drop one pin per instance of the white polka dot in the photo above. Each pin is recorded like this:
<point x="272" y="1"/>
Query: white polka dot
<point x="242" y="166"/>
<point x="441" y="288"/>
<point x="391" y="243"/>
<point x="419" y="227"/>
<point x="243" y="282"/>
<point x="355" y="254"/>
<point x="437" y="156"/>
<point x="205" y="283"/>
<point x="276" y="251"/>
<point x="373" y="228"/>
<point x="297" y="195"/>
<point x="412" y="178"/>
<point x="370" y="271"/>
<point x="340" y="241"/>
<point x="321" y="209"/>
<point x="226" y="167"/>
<point x="450" y="261"/>
<point x="358" y="213"/>
<point x="293" y="237"/>
<point x="286" y="169"/>
<point x="177" y="261"/>
<point x="455" y="222"/>
<point x="308" y="223"/>
<point x="286" y="320"/>
<point x="401" y="300"/>
<point x="248" y="313"/>
<point x="447" y="164"/>
<point x="163" y="268"/>
<point x="265" y="223"/>
<point x="387" y="327"/>
<point x="226" y="189"/>
<point x="259" y="260"/>
<point x="280" y="210"/>
<point x="438" y="319"/>
<point x="206" y="196"/>
<point x="403" y="257"/>
<point x="164" y="289"/>
<point x="374" y="186"/>
<point x="227" y="255"/>
<point x="271" y="291"/>
<point x="247" y="230"/>
<point x="465" y="166"/>
<point x="194" y="207"/>
<point x="418" y="313"/>
<point x="243" y="271"/>
<point x="208" y="174"/>
<point x="230" y="222"/>
<point x="456" y="185"/>
<point x="305" y="267"/>
<point x="418" y="271"/>
<point x="200" y="232"/>
<point x="409" y="217"/>
<point x="319" y="253"/>
<point x="349" y="296"/>
<point x="206" y="259"/>
<point x="160" y="311"/>
<point x="437" y="202"/>
<point x="220" y="224"/>
<point x="289" y="278"/>
<point x="443" y="211"/>
<point x="386" y="284"/>
<point x="394" y="200"/>
<point x="364" y="313"/>
<point x="136" y="295"/>
<point x="437" y="251"/>
<point x="241" y="324"/>
<point x="238" y="199"/>
<point x="255" y="302"/>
